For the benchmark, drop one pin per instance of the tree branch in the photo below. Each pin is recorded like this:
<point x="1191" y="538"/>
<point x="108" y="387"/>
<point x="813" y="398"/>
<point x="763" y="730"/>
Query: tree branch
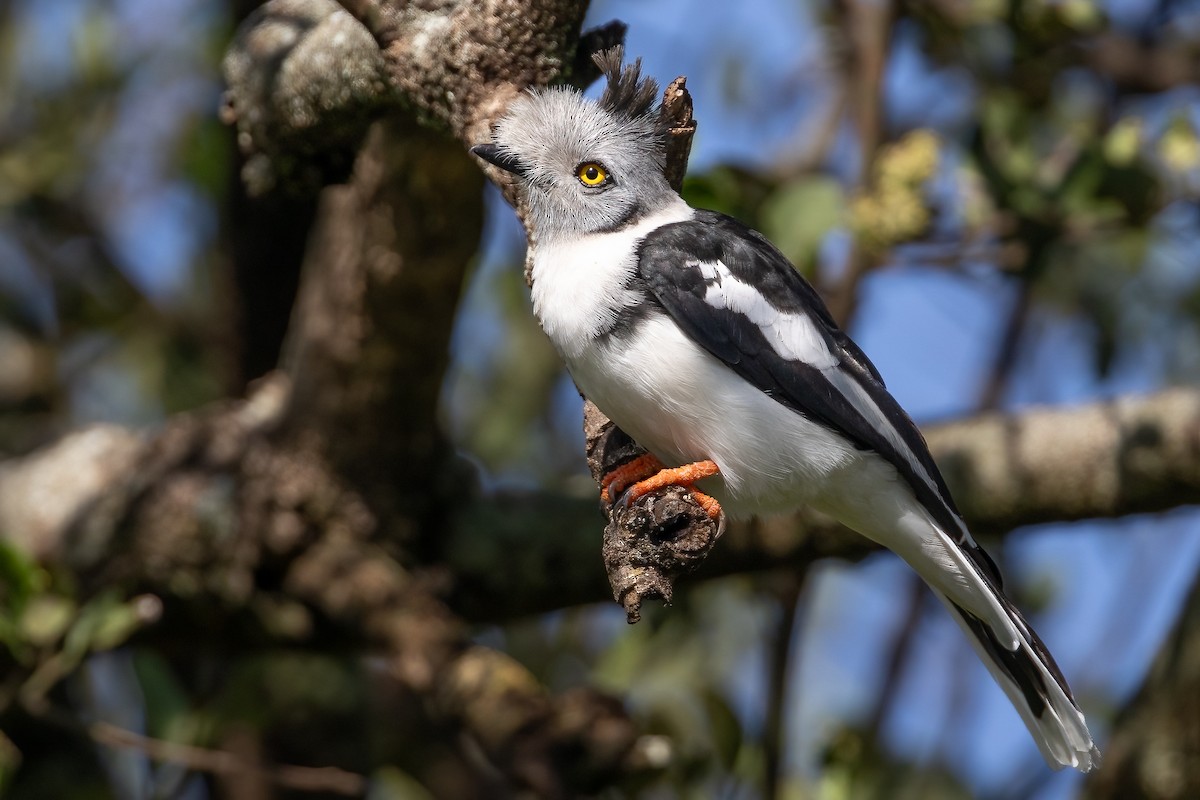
<point x="200" y="511"/>
<point x="1132" y="455"/>
<point x="1136" y="66"/>
<point x="1125" y="456"/>
<point x="867" y="26"/>
<point x="369" y="341"/>
<point x="219" y="762"/>
<point x="299" y="119"/>
<point x="378" y="17"/>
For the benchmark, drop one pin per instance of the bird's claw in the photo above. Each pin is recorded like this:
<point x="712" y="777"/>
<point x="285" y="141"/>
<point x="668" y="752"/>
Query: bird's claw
<point x="685" y="476"/>
<point x="618" y="482"/>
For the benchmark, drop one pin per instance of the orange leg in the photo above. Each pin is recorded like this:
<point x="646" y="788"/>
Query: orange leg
<point x="680" y="476"/>
<point x="707" y="502"/>
<point x="628" y="474"/>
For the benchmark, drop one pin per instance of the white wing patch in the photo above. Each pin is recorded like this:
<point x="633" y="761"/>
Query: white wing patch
<point x="796" y="338"/>
<point x="792" y="336"/>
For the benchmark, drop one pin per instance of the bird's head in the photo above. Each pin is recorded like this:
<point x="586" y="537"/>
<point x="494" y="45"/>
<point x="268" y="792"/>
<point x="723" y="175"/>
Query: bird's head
<point x="587" y="166"/>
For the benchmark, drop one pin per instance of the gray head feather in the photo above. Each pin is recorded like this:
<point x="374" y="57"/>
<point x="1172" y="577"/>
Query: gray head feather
<point x="627" y="94"/>
<point x="548" y="135"/>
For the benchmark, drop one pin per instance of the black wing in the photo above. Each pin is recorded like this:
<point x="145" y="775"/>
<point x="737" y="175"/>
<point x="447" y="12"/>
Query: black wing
<point x="677" y="263"/>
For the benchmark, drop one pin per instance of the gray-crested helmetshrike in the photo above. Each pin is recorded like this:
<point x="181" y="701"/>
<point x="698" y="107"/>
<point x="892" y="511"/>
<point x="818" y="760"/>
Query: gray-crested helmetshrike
<point x="695" y="335"/>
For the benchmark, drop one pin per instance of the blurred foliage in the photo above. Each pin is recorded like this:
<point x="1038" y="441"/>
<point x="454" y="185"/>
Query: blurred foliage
<point x="109" y="153"/>
<point x="520" y="379"/>
<point x="893" y="210"/>
<point x="48" y="637"/>
<point x="800" y="214"/>
<point x="680" y="671"/>
<point x="1073" y="182"/>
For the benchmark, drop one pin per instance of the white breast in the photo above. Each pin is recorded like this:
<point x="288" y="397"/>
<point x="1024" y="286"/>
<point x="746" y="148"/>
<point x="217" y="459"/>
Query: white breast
<point x="578" y="284"/>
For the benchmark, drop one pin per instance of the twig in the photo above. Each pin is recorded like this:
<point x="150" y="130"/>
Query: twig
<point x="901" y="649"/>
<point x="677" y="111"/>
<point x="1009" y="347"/>
<point x="775" y="734"/>
<point x="200" y="759"/>
<point x="203" y="759"/>
<point x="868" y="23"/>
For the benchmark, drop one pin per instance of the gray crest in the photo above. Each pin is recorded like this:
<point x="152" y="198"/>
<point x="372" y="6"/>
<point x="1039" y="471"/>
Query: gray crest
<point x="550" y="137"/>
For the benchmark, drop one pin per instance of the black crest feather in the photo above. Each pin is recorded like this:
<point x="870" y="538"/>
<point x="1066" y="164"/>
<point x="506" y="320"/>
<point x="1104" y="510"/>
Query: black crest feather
<point x="628" y="94"/>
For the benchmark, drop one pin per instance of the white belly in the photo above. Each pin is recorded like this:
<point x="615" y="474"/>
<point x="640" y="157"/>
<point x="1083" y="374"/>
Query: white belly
<point x="684" y="405"/>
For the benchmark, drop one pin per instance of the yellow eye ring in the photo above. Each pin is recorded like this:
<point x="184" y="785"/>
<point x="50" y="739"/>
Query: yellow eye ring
<point x="591" y="174"/>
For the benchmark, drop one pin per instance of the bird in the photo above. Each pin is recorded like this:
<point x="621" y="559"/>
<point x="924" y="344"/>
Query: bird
<point x="697" y="337"/>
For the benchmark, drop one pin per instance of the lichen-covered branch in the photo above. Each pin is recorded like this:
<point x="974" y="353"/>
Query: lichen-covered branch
<point x="1124" y="456"/>
<point x="304" y="81"/>
<point x="301" y="68"/>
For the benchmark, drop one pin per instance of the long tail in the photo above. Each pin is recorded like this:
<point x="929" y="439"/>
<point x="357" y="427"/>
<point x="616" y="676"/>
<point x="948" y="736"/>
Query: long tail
<point x="1035" y="686"/>
<point x="969" y="584"/>
<point x="1017" y="658"/>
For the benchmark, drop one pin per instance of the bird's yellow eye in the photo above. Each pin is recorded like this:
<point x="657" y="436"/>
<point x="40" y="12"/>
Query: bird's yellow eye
<point x="591" y="174"/>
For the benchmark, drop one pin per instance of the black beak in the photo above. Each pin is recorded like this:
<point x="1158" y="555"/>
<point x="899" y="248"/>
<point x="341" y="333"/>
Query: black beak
<point x="492" y="154"/>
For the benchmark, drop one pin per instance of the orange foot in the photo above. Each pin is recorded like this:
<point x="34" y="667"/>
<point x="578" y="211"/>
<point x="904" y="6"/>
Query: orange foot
<point x="628" y="474"/>
<point x="684" y="476"/>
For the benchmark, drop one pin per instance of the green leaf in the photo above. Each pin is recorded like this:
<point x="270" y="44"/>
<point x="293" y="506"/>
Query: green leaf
<point x="114" y="627"/>
<point x="1082" y="15"/>
<point x="103" y="623"/>
<point x="20" y="577"/>
<point x="46" y="618"/>
<point x="390" y="783"/>
<point x="10" y="760"/>
<point x="724" y="726"/>
<point x="1124" y="141"/>
<point x="798" y="215"/>
<point x="167" y="702"/>
<point x="1179" y="146"/>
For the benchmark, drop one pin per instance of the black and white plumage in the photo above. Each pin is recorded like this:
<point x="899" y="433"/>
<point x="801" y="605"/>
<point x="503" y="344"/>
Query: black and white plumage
<point x="697" y="337"/>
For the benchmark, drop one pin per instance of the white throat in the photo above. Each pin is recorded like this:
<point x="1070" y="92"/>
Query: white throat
<point x="581" y="284"/>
